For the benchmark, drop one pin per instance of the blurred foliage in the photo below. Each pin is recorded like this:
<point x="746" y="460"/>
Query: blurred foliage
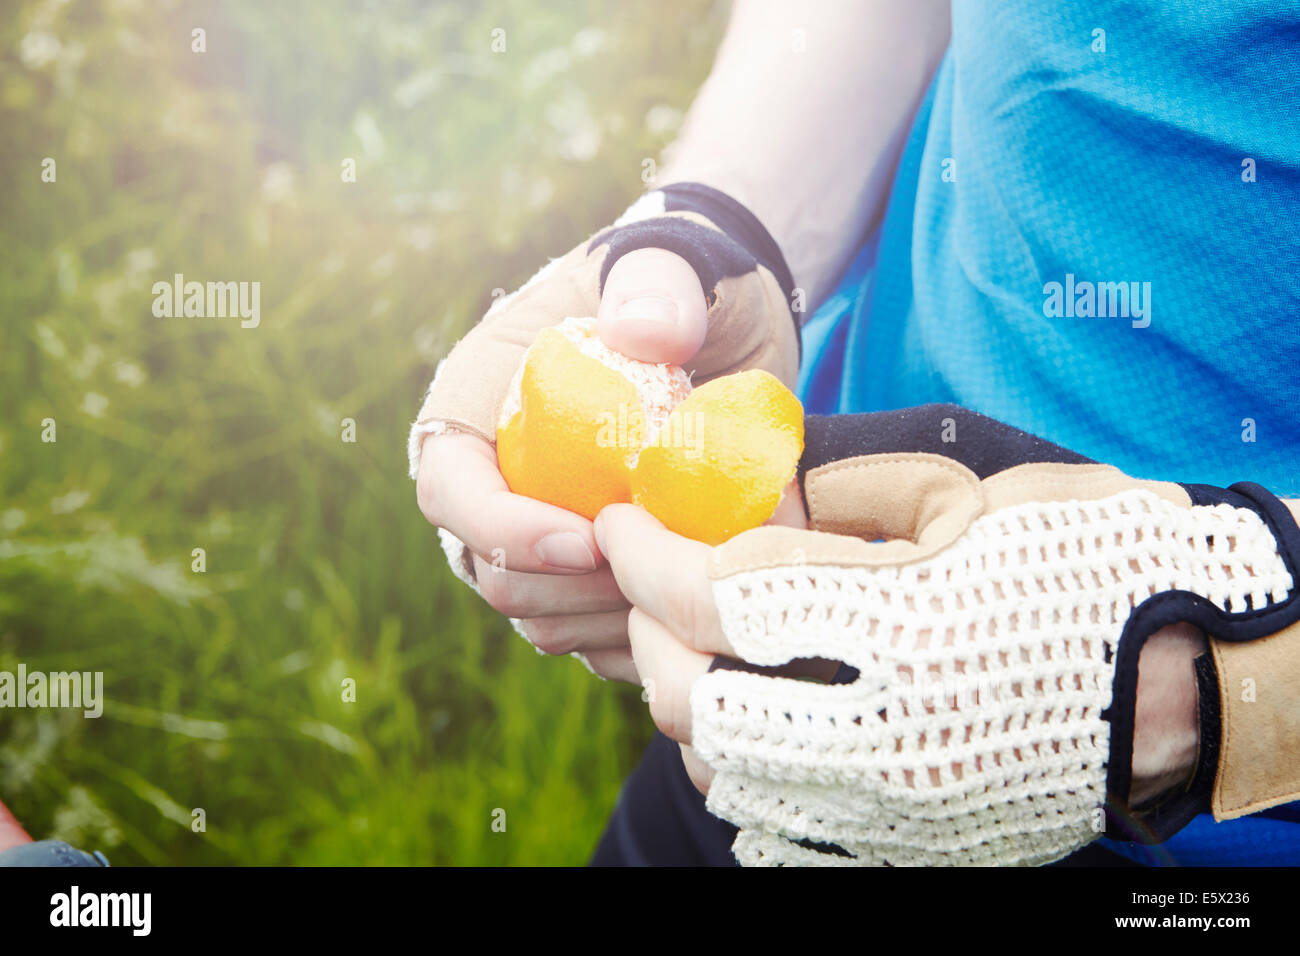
<point x="223" y="688"/>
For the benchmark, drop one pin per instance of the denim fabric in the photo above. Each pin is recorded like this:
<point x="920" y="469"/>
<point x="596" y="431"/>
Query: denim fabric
<point x="50" y="853"/>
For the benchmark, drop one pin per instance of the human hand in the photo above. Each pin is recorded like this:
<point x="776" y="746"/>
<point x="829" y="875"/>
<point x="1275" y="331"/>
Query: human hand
<point x="673" y="623"/>
<point x="1023" y="624"/>
<point x="676" y="636"/>
<point x="536" y="563"/>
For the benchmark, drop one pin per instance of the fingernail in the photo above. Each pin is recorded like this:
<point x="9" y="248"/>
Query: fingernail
<point x="649" y="308"/>
<point x="564" y="549"/>
<point x="598" y="528"/>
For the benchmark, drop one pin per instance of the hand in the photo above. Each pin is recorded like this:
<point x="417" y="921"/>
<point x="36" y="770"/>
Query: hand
<point x="676" y="634"/>
<point x="535" y="562"/>
<point x="673" y="616"/>
<point x="673" y="625"/>
<point x="990" y="588"/>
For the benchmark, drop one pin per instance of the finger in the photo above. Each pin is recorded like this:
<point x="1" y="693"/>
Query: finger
<point x="586" y="633"/>
<point x="653" y="308"/>
<point x="700" y="773"/>
<point x="521" y="594"/>
<point x="668" y="669"/>
<point x="614" y="665"/>
<point x="461" y="489"/>
<point x="663" y="574"/>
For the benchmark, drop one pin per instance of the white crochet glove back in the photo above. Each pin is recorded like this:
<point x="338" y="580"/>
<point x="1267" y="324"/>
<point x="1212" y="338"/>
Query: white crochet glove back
<point x="977" y="730"/>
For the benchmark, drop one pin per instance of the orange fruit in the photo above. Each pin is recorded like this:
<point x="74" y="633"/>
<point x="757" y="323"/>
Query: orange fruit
<point x="731" y="448"/>
<point x="584" y="426"/>
<point x="576" y="416"/>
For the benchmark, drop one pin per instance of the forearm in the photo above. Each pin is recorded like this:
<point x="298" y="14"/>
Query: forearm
<point x="805" y="128"/>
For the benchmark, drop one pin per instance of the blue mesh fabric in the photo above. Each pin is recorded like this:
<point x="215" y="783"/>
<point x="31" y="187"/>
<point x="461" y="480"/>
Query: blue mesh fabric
<point x="1122" y="165"/>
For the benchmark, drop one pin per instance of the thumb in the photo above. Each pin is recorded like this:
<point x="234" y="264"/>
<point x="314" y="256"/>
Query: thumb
<point x="653" y="308"/>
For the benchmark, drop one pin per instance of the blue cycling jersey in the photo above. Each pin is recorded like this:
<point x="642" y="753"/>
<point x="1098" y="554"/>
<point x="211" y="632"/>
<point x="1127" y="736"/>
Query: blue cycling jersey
<point x="1094" y="235"/>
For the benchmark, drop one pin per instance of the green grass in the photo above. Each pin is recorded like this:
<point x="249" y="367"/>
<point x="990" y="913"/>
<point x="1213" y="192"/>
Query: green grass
<point x="224" y="688"/>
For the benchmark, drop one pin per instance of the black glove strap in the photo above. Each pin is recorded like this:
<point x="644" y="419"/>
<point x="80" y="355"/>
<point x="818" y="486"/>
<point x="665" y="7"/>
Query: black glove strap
<point x="742" y="246"/>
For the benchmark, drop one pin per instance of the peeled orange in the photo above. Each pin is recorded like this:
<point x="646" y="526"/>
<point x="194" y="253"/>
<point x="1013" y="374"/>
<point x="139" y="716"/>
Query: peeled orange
<point x="584" y="426"/>
<point x="740" y="440"/>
